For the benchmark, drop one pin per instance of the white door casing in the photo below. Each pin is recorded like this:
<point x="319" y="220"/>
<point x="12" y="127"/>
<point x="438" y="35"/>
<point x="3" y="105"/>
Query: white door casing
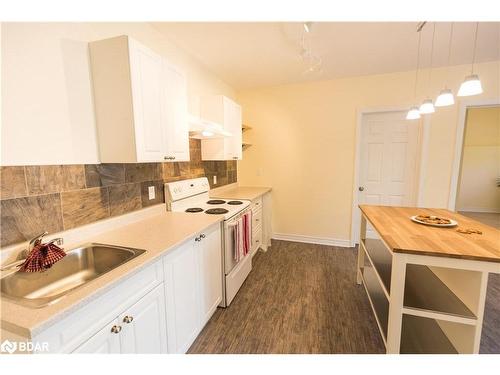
<point x="388" y="160"/>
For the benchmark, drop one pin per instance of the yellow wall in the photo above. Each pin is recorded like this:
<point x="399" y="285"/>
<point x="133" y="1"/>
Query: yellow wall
<point x="47" y="93"/>
<point x="303" y="140"/>
<point x="478" y="190"/>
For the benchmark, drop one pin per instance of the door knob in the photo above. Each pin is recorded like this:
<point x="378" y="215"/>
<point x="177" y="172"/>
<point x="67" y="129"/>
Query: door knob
<point x="116" y="329"/>
<point x="361" y="188"/>
<point x="128" y="319"/>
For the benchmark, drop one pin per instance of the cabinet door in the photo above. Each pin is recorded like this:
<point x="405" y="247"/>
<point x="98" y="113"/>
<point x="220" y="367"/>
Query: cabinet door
<point x="104" y="342"/>
<point x="210" y="259"/>
<point x="148" y="103"/>
<point x="175" y="114"/>
<point x="232" y="123"/>
<point x="182" y="305"/>
<point x="144" y="325"/>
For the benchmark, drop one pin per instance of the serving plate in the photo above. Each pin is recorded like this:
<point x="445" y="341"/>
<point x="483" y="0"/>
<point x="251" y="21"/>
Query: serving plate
<point x="452" y="223"/>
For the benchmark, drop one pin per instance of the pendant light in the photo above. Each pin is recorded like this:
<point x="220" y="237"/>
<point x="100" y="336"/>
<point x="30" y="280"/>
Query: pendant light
<point x="427" y="106"/>
<point x="445" y="97"/>
<point x="414" y="113"/>
<point x="472" y="84"/>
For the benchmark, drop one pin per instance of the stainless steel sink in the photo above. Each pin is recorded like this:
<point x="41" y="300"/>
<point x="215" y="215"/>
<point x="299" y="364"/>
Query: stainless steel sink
<point x="78" y="267"/>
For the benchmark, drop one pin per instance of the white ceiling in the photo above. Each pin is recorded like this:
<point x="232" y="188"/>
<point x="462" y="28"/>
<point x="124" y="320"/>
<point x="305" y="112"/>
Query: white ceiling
<point x="248" y="55"/>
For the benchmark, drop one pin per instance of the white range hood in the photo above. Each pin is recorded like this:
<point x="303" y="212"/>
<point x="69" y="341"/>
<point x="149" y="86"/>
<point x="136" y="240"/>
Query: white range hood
<point x="200" y="128"/>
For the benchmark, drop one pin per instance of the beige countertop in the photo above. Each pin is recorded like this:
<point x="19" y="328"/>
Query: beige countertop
<point x="157" y="235"/>
<point x="240" y="192"/>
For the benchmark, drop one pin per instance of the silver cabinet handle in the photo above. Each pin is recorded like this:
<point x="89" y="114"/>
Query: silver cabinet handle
<point x="116" y="329"/>
<point x="197" y="239"/>
<point x="202" y="235"/>
<point x="257" y="219"/>
<point x="235" y="157"/>
<point x="361" y="188"/>
<point x="128" y="319"/>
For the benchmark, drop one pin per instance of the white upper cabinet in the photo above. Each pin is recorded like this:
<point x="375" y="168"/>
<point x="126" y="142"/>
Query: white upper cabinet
<point x="140" y="102"/>
<point x="176" y="113"/>
<point x="226" y="112"/>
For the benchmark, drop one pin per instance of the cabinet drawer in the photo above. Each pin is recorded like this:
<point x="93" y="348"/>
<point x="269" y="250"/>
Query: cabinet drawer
<point x="256" y="239"/>
<point x="79" y="326"/>
<point x="257" y="219"/>
<point x="256" y="204"/>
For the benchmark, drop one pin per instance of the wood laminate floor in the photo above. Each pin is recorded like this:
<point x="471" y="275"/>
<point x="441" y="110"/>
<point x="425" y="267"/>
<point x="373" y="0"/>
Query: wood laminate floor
<point x="303" y="298"/>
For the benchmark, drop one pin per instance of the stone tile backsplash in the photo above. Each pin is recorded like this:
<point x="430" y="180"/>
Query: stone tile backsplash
<point x="60" y="197"/>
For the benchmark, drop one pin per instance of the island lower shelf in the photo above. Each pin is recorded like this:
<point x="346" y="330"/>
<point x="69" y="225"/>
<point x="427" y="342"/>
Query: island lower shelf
<point x="428" y="304"/>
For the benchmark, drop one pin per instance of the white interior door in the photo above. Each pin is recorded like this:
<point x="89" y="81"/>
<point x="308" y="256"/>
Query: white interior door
<point x="388" y="161"/>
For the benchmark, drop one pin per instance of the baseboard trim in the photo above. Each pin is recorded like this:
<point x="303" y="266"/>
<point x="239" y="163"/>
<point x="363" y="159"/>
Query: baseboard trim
<point x="310" y="239"/>
<point x="479" y="210"/>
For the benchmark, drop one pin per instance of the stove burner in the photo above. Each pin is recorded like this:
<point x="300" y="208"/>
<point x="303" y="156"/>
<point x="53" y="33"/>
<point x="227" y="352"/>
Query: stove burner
<point x="234" y="203"/>
<point x="194" y="209"/>
<point x="216" y="201"/>
<point x="216" y="211"/>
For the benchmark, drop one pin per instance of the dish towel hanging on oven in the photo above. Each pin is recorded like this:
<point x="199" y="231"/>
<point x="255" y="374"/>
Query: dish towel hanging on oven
<point x="241" y="236"/>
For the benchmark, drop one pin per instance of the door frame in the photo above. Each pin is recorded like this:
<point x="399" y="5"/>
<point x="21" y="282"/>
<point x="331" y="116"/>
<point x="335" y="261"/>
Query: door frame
<point x="422" y="146"/>
<point x="459" y="143"/>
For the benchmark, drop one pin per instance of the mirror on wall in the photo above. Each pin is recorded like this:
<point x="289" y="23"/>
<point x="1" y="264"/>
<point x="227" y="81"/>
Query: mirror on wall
<point x="479" y="183"/>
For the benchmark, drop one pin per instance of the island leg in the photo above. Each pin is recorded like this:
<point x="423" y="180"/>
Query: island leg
<point x="361" y="252"/>
<point x="396" y="300"/>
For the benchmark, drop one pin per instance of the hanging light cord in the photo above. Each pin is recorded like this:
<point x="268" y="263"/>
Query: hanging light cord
<point x="418" y="62"/>
<point x="474" y="49"/>
<point x="432" y="53"/>
<point x="449" y="53"/>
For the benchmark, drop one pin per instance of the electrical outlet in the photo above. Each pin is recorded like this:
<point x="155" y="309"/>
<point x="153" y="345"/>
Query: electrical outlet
<point x="214" y="180"/>
<point x="151" y="192"/>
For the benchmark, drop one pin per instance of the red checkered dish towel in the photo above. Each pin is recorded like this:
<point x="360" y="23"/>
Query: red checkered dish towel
<point x="42" y="257"/>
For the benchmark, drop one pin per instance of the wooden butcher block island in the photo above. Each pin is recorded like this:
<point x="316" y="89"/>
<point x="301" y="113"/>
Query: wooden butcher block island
<point x="426" y="285"/>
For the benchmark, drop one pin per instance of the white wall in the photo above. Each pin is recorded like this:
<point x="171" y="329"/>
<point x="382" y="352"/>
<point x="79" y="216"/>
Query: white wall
<point x="47" y="110"/>
<point x="478" y="191"/>
<point x="304" y="136"/>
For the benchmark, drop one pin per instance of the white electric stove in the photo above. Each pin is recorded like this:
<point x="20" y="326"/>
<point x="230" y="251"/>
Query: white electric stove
<point x="192" y="196"/>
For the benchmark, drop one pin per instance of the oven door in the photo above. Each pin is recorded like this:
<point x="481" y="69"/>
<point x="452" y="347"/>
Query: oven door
<point x="229" y="245"/>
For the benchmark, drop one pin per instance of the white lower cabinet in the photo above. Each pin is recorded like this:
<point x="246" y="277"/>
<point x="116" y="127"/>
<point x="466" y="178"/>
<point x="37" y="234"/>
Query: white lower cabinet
<point x="193" y="285"/>
<point x="159" y="309"/>
<point x="140" y="329"/>
<point x="210" y="259"/>
<point x="103" y="342"/>
<point x="144" y="326"/>
<point x="181" y="287"/>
